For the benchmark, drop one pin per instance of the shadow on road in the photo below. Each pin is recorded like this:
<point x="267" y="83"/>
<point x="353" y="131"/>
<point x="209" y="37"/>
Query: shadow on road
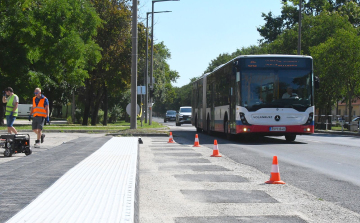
<point x="239" y="139"/>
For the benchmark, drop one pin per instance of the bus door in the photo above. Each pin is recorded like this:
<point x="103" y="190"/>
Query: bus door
<point x="232" y="97"/>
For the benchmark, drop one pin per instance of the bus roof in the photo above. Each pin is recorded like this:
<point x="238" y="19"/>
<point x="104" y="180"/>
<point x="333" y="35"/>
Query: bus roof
<point x="273" y="55"/>
<point x="253" y="56"/>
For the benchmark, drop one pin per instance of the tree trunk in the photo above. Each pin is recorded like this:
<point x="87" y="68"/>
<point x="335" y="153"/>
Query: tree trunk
<point x="94" y="115"/>
<point x="88" y="102"/>
<point x="2" y="114"/>
<point x="105" y="106"/>
<point x="350" y="108"/>
<point x="73" y="107"/>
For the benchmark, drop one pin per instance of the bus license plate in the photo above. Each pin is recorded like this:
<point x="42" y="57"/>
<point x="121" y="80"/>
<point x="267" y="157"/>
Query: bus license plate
<point x="278" y="129"/>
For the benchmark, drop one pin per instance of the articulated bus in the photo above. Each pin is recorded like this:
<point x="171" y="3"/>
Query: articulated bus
<point x="268" y="95"/>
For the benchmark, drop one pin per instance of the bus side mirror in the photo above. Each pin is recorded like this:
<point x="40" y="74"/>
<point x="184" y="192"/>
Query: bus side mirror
<point x="317" y="82"/>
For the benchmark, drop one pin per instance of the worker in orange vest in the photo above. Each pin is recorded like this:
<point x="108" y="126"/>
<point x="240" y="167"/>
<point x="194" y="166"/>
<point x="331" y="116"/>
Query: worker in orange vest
<point x="40" y="114"/>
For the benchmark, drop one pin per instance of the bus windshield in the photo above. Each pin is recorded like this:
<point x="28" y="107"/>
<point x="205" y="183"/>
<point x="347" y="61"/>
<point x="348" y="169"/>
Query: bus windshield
<point x="276" y="88"/>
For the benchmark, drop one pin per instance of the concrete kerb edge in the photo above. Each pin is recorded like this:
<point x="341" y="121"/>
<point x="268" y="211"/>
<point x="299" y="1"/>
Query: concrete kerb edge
<point x="338" y="133"/>
<point x="138" y="134"/>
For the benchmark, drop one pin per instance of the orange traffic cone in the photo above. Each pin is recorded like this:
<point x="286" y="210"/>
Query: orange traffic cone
<point x="216" y="150"/>
<point x="196" y="143"/>
<point x="171" y="140"/>
<point x="275" y="174"/>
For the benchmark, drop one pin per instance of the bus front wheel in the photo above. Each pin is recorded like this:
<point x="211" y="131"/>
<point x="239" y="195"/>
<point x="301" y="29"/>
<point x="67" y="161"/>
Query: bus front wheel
<point x="290" y="138"/>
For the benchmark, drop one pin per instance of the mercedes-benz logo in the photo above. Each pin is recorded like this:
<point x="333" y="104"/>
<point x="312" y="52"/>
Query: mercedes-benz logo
<point x="277" y="118"/>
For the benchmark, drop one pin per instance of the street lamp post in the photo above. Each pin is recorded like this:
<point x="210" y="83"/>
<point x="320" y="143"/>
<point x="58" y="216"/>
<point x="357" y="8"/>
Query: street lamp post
<point x="146" y="63"/>
<point x="152" y="52"/>
<point x="134" y="66"/>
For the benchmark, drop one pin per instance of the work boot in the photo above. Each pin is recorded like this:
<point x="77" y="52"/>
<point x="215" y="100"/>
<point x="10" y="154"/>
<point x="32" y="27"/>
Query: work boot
<point x="37" y="143"/>
<point x="42" y="138"/>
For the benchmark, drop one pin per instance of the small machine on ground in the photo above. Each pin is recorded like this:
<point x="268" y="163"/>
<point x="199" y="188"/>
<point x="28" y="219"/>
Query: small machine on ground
<point x="19" y="143"/>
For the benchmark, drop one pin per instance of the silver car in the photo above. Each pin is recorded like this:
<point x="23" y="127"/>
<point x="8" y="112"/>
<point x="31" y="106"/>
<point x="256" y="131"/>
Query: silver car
<point x="183" y="116"/>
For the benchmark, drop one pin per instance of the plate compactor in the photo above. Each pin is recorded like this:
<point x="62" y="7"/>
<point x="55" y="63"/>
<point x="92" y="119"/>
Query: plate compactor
<point x="19" y="143"/>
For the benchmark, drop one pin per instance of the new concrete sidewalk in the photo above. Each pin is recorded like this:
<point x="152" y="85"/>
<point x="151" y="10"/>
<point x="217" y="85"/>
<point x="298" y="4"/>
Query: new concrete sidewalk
<point x="102" y="188"/>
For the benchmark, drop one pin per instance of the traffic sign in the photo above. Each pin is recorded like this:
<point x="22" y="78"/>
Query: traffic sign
<point x="128" y="109"/>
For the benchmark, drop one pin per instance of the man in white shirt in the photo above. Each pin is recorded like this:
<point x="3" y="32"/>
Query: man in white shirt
<point x="289" y="94"/>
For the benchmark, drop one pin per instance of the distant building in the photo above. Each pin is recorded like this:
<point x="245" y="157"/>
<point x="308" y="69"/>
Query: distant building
<point x="343" y="109"/>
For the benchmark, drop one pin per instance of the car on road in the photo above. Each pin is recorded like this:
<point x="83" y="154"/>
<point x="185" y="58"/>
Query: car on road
<point x="170" y="115"/>
<point x="347" y="125"/>
<point x="183" y="116"/>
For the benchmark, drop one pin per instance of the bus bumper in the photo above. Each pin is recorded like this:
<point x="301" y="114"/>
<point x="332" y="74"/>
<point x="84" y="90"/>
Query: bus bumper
<point x="270" y="130"/>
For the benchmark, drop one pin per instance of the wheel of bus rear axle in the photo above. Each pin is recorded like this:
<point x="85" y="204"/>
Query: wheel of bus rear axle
<point x="290" y="138"/>
<point x="208" y="130"/>
<point x="7" y="153"/>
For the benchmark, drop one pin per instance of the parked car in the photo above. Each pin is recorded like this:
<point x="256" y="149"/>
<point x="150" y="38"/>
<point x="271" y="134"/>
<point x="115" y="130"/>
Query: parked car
<point x="170" y="115"/>
<point x="183" y="116"/>
<point x="346" y="125"/>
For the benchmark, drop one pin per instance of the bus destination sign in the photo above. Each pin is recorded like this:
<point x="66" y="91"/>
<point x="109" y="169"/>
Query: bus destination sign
<point x="276" y="62"/>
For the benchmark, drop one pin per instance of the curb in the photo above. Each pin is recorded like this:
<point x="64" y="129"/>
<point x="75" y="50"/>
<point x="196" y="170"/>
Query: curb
<point x="338" y="133"/>
<point x="138" y="134"/>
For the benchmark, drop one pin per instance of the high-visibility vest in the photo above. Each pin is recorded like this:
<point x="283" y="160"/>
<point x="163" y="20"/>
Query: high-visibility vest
<point x="10" y="106"/>
<point x="39" y="110"/>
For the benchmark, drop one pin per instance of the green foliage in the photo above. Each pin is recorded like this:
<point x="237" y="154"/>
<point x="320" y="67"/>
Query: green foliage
<point x="338" y="62"/>
<point x="78" y="116"/>
<point x="47" y="44"/>
<point x="116" y="113"/>
<point x="69" y="120"/>
<point x="164" y="93"/>
<point x="289" y="18"/>
<point x="100" y="116"/>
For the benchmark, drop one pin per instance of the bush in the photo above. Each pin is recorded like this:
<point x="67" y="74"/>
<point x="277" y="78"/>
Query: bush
<point x="115" y="113"/>
<point x="78" y="116"/>
<point x="100" y="117"/>
<point x="69" y="120"/>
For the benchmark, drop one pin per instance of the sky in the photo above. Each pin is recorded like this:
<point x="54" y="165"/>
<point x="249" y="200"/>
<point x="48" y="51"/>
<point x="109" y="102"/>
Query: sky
<point x="197" y="31"/>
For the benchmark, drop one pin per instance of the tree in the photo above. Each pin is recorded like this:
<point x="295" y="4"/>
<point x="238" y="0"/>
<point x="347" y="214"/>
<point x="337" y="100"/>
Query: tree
<point x="112" y="74"/>
<point x="289" y="18"/>
<point x="164" y="93"/>
<point x="337" y="61"/>
<point x="221" y="59"/>
<point x="46" y="43"/>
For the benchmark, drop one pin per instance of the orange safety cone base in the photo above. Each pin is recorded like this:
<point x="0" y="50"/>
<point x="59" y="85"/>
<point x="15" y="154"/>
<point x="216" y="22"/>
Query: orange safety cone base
<point x="196" y="146"/>
<point x="275" y="182"/>
<point x="216" y="156"/>
<point x="216" y="153"/>
<point x="171" y="141"/>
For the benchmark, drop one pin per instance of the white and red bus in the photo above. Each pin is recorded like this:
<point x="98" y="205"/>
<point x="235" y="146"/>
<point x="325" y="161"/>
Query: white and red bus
<point x="258" y="94"/>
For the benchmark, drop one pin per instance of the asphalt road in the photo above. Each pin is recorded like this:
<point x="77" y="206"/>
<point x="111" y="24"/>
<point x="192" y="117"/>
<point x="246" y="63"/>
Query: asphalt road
<point x="324" y="165"/>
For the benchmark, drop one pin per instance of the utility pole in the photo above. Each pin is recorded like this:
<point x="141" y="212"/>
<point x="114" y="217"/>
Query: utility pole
<point x="134" y="66"/>
<point x="299" y="38"/>
<point x="146" y="68"/>
<point x="151" y="61"/>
